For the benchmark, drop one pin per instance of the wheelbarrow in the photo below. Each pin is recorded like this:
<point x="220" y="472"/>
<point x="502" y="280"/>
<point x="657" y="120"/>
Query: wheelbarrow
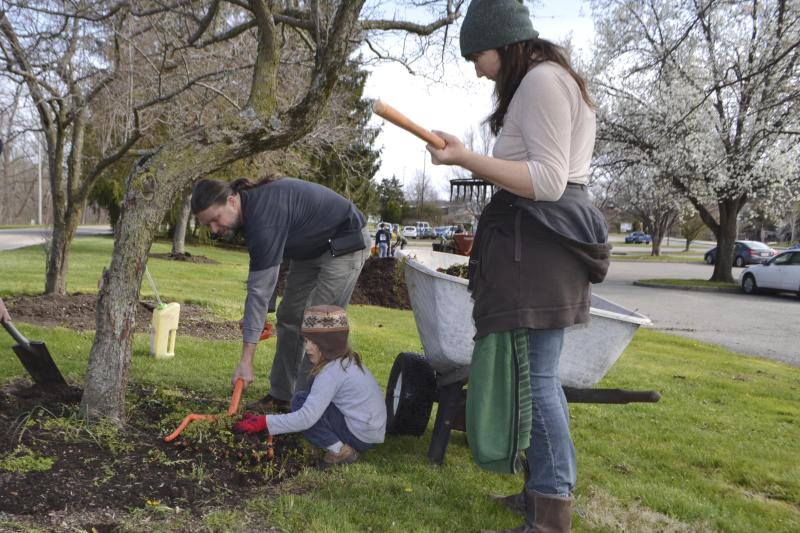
<point x="442" y="308"/>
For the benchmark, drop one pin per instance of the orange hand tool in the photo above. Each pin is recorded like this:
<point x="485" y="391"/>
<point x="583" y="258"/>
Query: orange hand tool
<point x="234" y="406"/>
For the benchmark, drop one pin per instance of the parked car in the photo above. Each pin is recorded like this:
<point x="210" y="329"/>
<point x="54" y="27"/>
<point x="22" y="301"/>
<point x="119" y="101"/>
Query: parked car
<point x="794" y="246"/>
<point x="441" y="231"/>
<point x="638" y="237"/>
<point x="781" y="273"/>
<point x="410" y="232"/>
<point x="744" y="253"/>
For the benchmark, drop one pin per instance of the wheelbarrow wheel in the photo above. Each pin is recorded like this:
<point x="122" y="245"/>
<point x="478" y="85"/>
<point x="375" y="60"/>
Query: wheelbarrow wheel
<point x="410" y="394"/>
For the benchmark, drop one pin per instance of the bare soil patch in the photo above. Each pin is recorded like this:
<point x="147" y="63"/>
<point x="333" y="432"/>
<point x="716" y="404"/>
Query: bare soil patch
<point x="77" y="312"/>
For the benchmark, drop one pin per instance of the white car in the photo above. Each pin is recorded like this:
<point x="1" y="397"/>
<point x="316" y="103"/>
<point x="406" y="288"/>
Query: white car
<point x="781" y="273"/>
<point x="410" y="231"/>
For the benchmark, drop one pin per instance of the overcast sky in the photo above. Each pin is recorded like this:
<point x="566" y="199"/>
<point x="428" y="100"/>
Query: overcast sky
<point x="460" y="102"/>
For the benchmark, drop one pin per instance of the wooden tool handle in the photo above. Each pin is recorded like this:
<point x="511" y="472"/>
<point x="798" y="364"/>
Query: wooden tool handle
<point x="398" y="119"/>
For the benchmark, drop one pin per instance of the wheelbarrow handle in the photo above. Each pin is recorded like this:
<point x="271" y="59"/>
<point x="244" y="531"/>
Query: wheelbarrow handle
<point x="14" y="332"/>
<point x="619" y="396"/>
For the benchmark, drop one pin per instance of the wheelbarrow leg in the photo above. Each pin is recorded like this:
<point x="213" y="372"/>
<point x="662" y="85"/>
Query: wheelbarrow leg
<point x="449" y="402"/>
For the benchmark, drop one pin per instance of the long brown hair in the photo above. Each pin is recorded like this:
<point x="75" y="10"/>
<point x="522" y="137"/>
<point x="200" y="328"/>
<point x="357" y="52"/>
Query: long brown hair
<point x="516" y="60"/>
<point x="350" y="356"/>
<point x="208" y="192"/>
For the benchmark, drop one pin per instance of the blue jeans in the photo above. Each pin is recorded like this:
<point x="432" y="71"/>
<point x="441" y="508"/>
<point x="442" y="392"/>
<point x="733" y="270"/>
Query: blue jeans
<point x="330" y="428"/>
<point x="551" y="456"/>
<point x="383" y="249"/>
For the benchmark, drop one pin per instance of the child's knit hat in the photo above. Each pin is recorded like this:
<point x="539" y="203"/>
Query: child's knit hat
<point x="327" y="327"/>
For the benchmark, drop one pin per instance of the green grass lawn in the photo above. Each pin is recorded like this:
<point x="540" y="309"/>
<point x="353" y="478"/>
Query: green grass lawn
<point x="717" y="453"/>
<point x="663" y="258"/>
<point x="693" y="283"/>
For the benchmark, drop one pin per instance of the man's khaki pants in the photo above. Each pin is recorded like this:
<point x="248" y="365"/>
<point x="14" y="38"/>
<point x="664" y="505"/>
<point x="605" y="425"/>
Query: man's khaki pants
<point x="325" y="280"/>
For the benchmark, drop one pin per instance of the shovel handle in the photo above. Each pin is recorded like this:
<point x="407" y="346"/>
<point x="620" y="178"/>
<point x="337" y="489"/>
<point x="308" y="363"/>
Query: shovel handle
<point x="14" y="332"/>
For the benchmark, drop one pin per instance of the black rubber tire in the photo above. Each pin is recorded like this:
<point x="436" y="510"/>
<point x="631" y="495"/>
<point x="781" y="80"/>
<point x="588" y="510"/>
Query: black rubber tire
<point x="709" y="259"/>
<point x="747" y="287"/>
<point x="408" y="406"/>
<point x="739" y="262"/>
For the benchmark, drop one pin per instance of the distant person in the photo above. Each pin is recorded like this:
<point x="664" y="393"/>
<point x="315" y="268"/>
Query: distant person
<point x="325" y="238"/>
<point x="400" y="240"/>
<point x="344" y="411"/>
<point x="382" y="240"/>
<point x="540" y="244"/>
<point x="4" y="316"/>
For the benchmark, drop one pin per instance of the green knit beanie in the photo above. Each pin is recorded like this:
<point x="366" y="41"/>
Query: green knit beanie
<point x="491" y="24"/>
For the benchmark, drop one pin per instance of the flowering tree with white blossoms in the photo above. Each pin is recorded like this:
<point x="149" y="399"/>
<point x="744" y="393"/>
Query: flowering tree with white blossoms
<point x="703" y="91"/>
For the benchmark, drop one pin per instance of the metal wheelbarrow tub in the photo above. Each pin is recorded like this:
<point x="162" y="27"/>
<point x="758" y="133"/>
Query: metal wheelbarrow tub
<point x="442" y="308"/>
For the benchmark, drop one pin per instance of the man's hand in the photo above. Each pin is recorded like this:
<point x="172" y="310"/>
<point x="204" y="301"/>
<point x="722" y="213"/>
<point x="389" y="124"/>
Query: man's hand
<point x="251" y="423"/>
<point x="245" y="369"/>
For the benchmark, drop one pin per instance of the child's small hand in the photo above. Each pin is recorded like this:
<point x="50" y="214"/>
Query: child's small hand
<point x="251" y="423"/>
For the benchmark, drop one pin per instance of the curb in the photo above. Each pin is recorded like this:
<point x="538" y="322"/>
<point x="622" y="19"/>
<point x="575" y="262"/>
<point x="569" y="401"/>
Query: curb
<point x="730" y="290"/>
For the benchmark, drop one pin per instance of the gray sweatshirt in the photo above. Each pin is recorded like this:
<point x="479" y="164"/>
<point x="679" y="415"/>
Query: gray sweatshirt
<point x="352" y="390"/>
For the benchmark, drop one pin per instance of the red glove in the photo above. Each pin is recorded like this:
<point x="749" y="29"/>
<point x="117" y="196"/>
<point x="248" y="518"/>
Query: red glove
<point x="251" y="423"/>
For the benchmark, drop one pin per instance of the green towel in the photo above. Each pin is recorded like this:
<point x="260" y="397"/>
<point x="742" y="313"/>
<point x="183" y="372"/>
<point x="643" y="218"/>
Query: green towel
<point x="499" y="407"/>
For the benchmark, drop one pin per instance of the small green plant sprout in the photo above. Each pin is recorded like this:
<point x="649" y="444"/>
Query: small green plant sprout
<point x="22" y="460"/>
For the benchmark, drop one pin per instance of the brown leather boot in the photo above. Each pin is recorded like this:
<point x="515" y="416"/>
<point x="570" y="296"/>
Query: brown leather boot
<point x="544" y="514"/>
<point x="553" y="514"/>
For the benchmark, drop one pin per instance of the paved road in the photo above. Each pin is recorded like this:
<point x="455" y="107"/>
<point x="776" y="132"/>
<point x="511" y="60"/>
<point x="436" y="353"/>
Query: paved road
<point x="764" y="325"/>
<point x="20" y="237"/>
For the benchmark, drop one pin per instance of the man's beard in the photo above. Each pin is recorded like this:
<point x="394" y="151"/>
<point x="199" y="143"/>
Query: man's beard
<point x="228" y="234"/>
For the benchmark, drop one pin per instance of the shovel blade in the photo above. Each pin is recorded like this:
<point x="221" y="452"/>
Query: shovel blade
<point x="37" y="360"/>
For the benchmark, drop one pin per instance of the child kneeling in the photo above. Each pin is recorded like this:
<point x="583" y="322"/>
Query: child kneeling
<point x="343" y="411"/>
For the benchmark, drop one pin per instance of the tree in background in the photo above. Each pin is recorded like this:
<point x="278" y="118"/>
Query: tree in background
<point x="347" y="161"/>
<point x="706" y="92"/>
<point x="391" y="200"/>
<point x="691" y="225"/>
<point x="423" y="195"/>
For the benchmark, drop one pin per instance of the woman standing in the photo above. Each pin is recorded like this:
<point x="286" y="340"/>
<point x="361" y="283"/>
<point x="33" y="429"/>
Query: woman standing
<point x="539" y="244"/>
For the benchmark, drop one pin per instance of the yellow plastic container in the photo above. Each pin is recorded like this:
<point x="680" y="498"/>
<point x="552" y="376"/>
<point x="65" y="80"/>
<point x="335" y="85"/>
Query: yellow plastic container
<point x="164" y="329"/>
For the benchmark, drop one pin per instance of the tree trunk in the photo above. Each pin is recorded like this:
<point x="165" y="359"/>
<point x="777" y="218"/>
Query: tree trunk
<point x="58" y="253"/>
<point x="726" y="239"/>
<point x="179" y="233"/>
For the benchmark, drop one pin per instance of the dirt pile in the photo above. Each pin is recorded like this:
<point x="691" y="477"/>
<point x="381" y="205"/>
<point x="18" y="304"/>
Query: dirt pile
<point x="381" y="283"/>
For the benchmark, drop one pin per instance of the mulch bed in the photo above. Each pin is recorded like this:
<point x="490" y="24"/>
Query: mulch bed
<point x="100" y="472"/>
